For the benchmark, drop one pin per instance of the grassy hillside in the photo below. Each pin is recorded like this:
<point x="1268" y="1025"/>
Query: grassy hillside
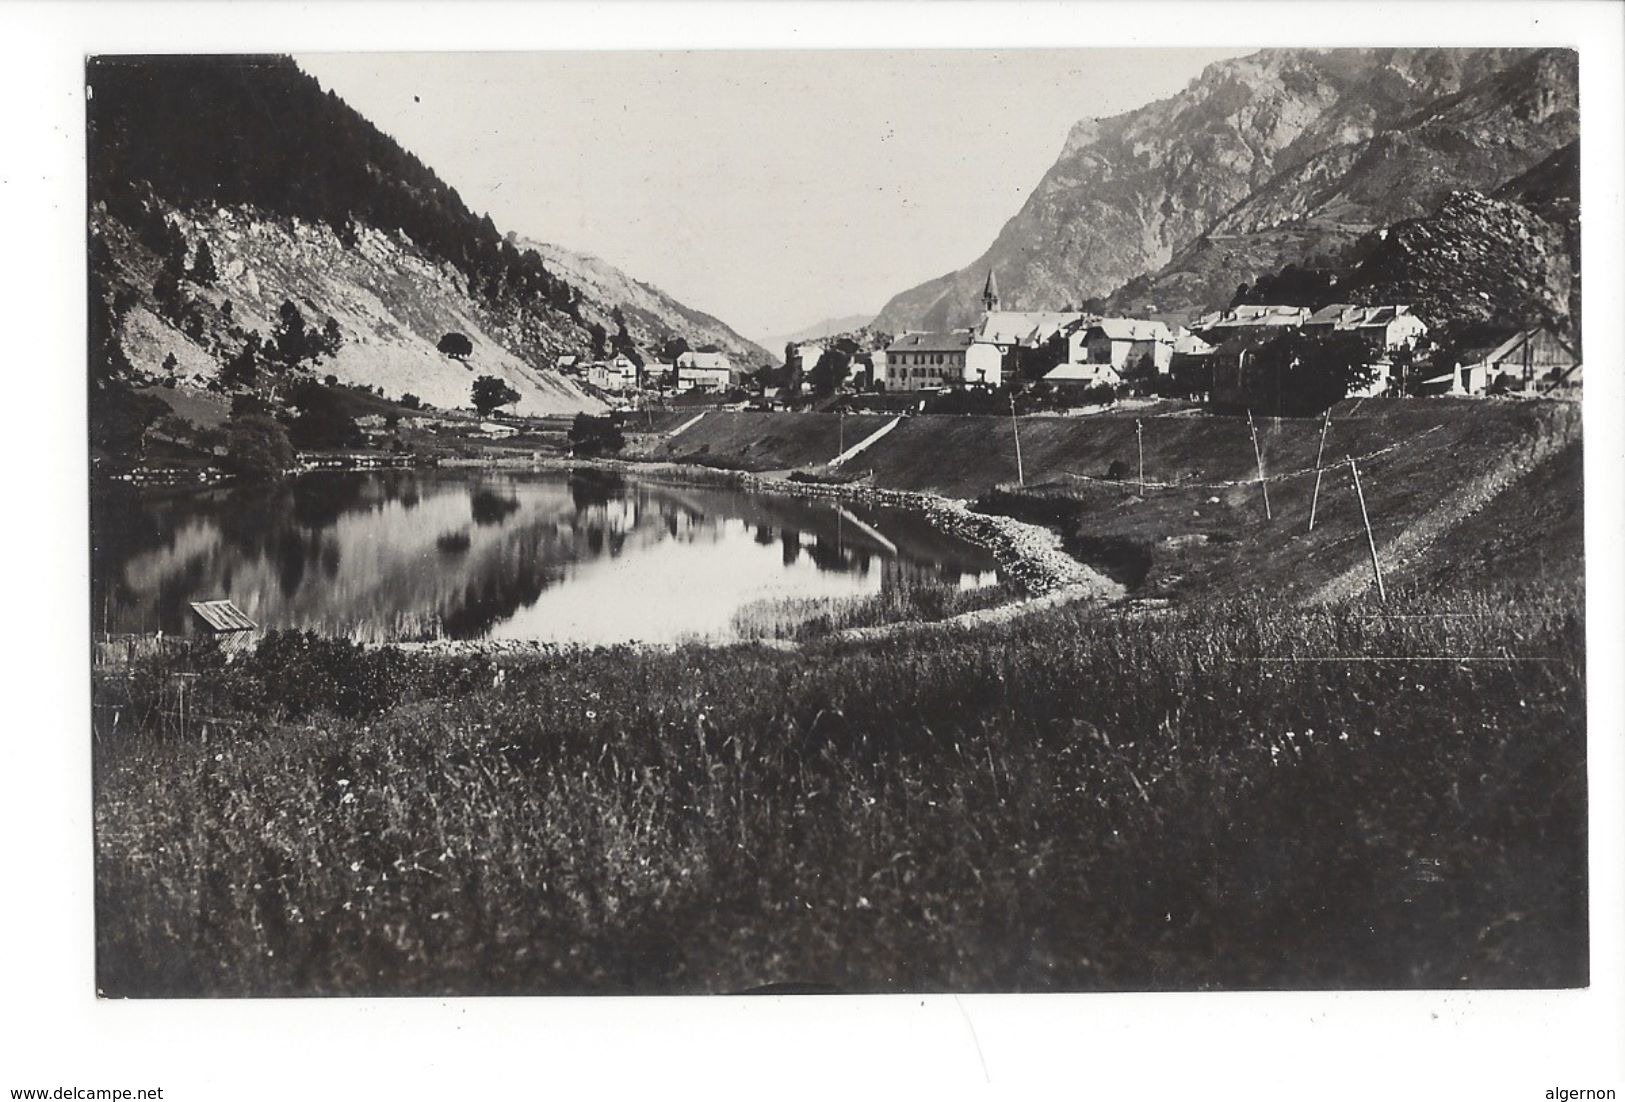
<point x="1426" y="466"/>
<point x="763" y="441"/>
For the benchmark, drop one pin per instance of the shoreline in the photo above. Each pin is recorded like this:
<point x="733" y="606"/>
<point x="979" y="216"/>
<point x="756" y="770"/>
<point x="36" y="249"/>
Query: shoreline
<point x="1028" y="555"/>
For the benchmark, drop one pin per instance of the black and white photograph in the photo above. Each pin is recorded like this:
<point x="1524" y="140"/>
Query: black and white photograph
<point x="1068" y="518"/>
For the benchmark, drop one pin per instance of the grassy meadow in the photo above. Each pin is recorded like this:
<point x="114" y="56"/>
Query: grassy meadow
<point x="1073" y="801"/>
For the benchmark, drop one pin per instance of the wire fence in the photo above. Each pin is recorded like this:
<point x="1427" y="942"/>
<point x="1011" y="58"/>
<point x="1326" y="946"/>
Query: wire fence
<point x="1230" y="484"/>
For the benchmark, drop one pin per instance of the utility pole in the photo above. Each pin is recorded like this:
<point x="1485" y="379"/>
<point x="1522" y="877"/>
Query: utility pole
<point x="1139" y="444"/>
<point x="1315" y="501"/>
<point x="1021" y="477"/>
<point x="1371" y="541"/>
<point x="1259" y="456"/>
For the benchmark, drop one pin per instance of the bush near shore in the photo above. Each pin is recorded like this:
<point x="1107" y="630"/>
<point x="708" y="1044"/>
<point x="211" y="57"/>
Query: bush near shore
<point x="1075" y="801"/>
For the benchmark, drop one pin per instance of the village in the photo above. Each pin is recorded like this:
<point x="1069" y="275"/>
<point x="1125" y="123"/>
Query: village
<point x="1079" y="360"/>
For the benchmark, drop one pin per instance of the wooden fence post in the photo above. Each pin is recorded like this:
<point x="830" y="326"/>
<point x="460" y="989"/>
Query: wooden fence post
<point x="1259" y="456"/>
<point x="1314" y="502"/>
<point x="1139" y="443"/>
<point x="1021" y="477"/>
<point x="1371" y="541"/>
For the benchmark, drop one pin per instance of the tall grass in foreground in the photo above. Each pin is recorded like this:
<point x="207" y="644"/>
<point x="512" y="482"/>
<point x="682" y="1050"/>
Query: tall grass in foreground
<point x="1074" y="801"/>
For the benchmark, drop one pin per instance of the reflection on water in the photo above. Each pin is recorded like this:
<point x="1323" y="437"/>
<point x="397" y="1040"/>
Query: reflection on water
<point x="581" y="557"/>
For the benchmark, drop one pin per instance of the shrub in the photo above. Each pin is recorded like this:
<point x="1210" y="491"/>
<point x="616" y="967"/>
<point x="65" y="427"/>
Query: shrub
<point x="456" y="345"/>
<point x="296" y="674"/>
<point x="591" y="435"/>
<point x="490" y="392"/>
<point x="257" y="448"/>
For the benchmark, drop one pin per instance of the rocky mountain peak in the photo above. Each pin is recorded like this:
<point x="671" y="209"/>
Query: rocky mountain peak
<point x="1328" y="142"/>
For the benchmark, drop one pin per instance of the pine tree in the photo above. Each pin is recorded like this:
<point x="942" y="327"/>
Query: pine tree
<point x="292" y="339"/>
<point x="203" y="272"/>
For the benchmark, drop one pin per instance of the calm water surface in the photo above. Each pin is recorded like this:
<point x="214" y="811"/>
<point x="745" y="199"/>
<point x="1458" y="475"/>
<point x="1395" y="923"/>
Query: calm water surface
<point x="583" y="557"/>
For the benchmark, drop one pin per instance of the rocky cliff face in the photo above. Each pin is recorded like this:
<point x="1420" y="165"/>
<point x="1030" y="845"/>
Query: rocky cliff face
<point x="1283" y="151"/>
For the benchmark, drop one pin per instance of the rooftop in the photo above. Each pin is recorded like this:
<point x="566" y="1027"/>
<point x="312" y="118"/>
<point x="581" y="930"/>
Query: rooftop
<point x="1023" y="326"/>
<point x="1249" y="316"/>
<point x="1131" y="329"/>
<point x="1495" y="352"/>
<point x="1345" y="315"/>
<point x="956" y="341"/>
<point x="704" y="359"/>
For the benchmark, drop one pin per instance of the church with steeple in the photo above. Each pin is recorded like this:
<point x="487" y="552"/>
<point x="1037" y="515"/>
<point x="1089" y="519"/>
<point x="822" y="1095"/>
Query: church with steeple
<point x="1002" y="336"/>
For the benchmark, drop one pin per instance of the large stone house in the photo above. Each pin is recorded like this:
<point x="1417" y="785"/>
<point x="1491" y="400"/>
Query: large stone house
<point x="927" y="361"/>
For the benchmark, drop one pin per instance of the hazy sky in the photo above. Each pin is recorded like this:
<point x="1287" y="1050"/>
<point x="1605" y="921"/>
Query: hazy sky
<point x="772" y="189"/>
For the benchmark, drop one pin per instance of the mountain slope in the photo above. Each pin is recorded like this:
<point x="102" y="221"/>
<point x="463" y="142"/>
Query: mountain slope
<point x="300" y="203"/>
<point x="1474" y="261"/>
<point x="1477" y="263"/>
<point x="1312" y="213"/>
<point x="391" y="305"/>
<point x="1314" y="146"/>
<point x="647" y="308"/>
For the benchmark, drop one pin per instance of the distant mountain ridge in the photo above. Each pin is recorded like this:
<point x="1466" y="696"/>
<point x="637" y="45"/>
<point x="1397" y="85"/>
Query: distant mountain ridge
<point x="829" y="327"/>
<point x="1273" y="157"/>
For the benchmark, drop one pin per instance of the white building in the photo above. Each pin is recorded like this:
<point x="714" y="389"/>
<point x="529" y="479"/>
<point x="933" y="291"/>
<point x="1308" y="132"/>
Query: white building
<point x="807" y="353"/>
<point x="1132" y="346"/>
<point x="1083" y="375"/>
<point x="617" y="376"/>
<point x="927" y="361"/>
<point x="1384" y="328"/>
<point x="1221" y="324"/>
<point x="984" y="364"/>
<point x="715" y="379"/>
<point x="708" y="360"/>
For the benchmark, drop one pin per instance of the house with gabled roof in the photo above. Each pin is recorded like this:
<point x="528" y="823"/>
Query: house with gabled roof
<point x="1082" y="375"/>
<point x="1220" y="324"/>
<point x="616" y="375"/>
<point x="1131" y="345"/>
<point x="1385" y="328"/>
<point x="1533" y="359"/>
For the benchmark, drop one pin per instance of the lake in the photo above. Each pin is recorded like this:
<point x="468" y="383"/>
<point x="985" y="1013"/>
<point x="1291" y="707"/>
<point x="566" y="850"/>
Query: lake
<point x="556" y="556"/>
